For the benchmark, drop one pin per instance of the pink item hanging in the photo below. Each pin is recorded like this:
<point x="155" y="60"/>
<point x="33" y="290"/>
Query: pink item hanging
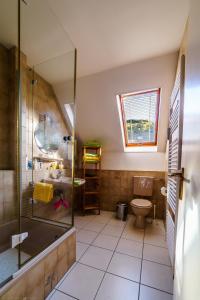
<point x="61" y="202"/>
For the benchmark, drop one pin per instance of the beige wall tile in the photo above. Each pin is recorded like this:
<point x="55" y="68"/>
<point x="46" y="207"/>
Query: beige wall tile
<point x="62" y="266"/>
<point x="51" y="277"/>
<point x="118" y="186"/>
<point x="35" y="282"/>
<point x="17" y="292"/>
<point x="62" y="249"/>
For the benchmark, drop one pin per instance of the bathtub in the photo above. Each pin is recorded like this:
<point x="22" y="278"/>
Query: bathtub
<point x="51" y="250"/>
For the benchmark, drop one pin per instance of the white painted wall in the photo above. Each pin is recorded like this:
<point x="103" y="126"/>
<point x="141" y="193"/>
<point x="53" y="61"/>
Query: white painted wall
<point x="97" y="113"/>
<point x="187" y="267"/>
<point x="133" y="161"/>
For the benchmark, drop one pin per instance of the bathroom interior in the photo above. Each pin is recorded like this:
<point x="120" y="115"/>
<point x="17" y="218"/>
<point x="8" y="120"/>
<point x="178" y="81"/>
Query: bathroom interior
<point x="91" y="169"/>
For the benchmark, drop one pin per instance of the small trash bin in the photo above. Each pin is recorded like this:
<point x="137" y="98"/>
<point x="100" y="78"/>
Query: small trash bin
<point x="122" y="211"/>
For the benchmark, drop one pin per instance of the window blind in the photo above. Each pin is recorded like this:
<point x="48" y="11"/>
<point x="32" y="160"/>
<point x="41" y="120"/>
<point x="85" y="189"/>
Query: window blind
<point x="140" y="117"/>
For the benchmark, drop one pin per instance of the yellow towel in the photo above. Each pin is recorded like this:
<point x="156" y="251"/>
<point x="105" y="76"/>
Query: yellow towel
<point x="43" y="192"/>
<point x="93" y="158"/>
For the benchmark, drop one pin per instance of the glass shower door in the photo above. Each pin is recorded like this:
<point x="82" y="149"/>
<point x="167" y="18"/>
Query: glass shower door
<point x="47" y="85"/>
<point x="37" y="92"/>
<point x="9" y="140"/>
<point x="53" y="137"/>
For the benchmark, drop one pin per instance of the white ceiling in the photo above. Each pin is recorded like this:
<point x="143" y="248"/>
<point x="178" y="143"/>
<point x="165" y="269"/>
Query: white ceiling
<point x="43" y="40"/>
<point x="107" y="33"/>
<point x="110" y="33"/>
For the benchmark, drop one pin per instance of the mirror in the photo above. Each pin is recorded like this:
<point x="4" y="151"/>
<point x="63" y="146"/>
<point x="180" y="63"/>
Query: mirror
<point x="47" y="135"/>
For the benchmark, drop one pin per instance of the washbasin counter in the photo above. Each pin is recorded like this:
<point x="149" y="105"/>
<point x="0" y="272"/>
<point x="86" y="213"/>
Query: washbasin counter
<point x="65" y="181"/>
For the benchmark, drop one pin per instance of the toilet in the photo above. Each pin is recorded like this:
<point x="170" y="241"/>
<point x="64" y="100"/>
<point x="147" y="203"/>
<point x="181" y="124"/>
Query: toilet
<point x="141" y="207"/>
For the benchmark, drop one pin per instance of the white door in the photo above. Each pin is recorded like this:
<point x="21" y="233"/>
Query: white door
<point x="187" y="261"/>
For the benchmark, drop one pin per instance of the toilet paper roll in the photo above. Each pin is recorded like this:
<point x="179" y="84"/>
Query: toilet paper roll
<point x="163" y="191"/>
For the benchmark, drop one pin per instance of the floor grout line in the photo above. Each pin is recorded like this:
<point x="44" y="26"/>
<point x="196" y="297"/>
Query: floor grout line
<point x="155" y="245"/>
<point x="143" y="259"/>
<point x="109" y="263"/>
<point x="107" y="272"/>
<point x="67" y="274"/>
<point x="154" y="288"/>
<point x="155" y="262"/>
<point x="141" y="267"/>
<point x="101" y="248"/>
<point x="162" y="247"/>
<point x="64" y="277"/>
<point x="66" y="294"/>
<point x="129" y="255"/>
<point x="114" y="251"/>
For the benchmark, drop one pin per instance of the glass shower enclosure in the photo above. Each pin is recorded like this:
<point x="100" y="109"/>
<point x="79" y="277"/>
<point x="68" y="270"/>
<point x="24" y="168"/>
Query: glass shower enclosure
<point x="37" y="118"/>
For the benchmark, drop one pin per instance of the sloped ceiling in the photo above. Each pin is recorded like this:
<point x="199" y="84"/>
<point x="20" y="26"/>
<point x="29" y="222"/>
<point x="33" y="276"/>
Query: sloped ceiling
<point x="111" y="33"/>
<point x="107" y="33"/>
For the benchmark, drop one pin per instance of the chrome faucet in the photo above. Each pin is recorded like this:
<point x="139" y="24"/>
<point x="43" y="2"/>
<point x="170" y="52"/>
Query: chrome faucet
<point x="59" y="174"/>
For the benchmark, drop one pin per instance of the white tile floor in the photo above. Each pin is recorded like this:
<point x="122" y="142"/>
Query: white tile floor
<point x="115" y="261"/>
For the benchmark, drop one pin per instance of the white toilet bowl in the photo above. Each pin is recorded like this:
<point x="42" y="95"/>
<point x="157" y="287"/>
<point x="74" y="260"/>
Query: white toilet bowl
<point x="141" y="208"/>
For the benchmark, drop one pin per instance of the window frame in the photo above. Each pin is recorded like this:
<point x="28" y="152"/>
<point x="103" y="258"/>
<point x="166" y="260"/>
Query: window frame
<point x="142" y="144"/>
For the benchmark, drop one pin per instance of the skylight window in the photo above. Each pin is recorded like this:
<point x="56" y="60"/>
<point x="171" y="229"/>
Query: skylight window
<point x="139" y="115"/>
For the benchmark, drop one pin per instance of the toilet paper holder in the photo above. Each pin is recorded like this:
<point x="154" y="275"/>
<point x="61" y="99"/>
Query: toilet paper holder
<point x="163" y="191"/>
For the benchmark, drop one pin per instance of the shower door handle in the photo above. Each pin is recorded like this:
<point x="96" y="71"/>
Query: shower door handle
<point x="18" y="239"/>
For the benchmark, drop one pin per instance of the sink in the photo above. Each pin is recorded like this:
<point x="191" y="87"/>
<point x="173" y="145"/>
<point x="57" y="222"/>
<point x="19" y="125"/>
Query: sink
<point x="66" y="180"/>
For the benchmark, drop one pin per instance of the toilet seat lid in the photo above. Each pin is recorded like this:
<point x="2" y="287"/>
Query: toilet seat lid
<point x="141" y="203"/>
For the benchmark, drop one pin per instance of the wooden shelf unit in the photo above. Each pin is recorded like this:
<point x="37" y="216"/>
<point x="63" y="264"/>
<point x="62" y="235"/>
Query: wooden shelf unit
<point x="90" y="197"/>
